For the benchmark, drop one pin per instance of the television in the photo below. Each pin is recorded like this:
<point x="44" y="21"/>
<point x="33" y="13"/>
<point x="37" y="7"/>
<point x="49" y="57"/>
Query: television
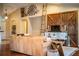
<point x="55" y="28"/>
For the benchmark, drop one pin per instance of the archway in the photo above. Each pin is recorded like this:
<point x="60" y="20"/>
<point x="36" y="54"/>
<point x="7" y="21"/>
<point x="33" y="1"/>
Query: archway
<point x="25" y="26"/>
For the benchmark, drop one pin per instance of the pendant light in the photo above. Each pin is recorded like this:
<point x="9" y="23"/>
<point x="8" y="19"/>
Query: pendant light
<point x="6" y="16"/>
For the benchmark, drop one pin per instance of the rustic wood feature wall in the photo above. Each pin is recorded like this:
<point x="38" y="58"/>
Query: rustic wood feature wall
<point x="69" y="19"/>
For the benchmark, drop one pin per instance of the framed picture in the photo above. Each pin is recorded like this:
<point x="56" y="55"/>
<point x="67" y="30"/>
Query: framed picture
<point x="13" y="29"/>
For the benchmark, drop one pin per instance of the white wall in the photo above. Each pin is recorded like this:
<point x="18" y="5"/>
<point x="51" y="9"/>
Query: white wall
<point x="56" y="8"/>
<point x="36" y="25"/>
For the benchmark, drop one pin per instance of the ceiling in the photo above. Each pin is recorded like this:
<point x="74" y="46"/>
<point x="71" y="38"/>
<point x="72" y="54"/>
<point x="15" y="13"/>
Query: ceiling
<point x="13" y="6"/>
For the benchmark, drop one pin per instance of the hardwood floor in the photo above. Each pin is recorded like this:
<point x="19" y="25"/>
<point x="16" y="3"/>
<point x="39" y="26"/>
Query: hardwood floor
<point x="5" y="51"/>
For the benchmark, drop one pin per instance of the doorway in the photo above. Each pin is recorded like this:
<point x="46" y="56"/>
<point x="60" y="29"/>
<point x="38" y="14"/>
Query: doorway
<point x="25" y="26"/>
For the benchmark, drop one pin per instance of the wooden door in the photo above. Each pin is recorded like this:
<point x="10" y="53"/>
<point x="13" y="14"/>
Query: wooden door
<point x="70" y="20"/>
<point x="54" y="19"/>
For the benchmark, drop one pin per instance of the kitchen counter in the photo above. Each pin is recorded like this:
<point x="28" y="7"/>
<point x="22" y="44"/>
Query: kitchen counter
<point x="31" y="45"/>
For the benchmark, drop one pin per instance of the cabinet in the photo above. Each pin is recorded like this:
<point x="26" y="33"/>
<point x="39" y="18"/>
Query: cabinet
<point x="28" y="45"/>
